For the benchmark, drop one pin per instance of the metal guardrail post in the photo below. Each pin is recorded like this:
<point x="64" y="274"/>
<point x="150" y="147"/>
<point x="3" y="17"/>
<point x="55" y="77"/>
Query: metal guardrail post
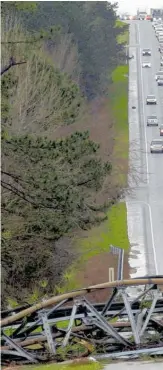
<point x="120" y="252"/>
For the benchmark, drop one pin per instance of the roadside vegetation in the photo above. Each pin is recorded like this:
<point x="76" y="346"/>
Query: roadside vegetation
<point x="96" y="242"/>
<point x="51" y="73"/>
<point x="119" y="104"/>
<point x="113" y="230"/>
<point x="77" y="365"/>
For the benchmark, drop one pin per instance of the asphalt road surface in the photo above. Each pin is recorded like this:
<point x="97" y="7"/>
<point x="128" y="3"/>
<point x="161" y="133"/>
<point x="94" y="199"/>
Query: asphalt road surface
<point x="135" y="366"/>
<point x="149" y="193"/>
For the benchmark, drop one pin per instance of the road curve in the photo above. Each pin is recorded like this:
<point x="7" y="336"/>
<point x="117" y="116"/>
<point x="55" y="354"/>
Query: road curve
<point x="149" y="192"/>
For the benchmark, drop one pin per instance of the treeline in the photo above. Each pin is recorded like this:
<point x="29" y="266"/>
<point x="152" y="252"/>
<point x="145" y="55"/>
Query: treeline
<point x="55" y="56"/>
<point x="92" y="28"/>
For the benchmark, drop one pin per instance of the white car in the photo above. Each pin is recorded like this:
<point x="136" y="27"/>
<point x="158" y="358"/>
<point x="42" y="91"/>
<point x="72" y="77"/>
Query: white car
<point x="152" y="120"/>
<point x="158" y="74"/>
<point x="161" y="63"/>
<point x="158" y="31"/>
<point x="146" y="52"/>
<point x="146" y="65"/>
<point x="151" y="99"/>
<point x="156" y="146"/>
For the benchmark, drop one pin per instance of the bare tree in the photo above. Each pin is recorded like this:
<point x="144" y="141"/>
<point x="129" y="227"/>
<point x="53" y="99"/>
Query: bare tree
<point x="37" y="100"/>
<point x="64" y="54"/>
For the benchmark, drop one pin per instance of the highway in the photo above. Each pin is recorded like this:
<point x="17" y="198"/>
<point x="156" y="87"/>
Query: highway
<point x="149" y="191"/>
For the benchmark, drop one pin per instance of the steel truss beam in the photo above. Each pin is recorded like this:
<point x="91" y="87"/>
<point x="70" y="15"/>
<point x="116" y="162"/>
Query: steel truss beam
<point x="126" y="331"/>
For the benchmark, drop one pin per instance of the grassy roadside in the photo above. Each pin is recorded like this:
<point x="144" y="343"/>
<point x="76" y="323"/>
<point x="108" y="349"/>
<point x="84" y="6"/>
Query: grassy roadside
<point x="119" y="108"/>
<point x="97" y="241"/>
<point x="82" y="366"/>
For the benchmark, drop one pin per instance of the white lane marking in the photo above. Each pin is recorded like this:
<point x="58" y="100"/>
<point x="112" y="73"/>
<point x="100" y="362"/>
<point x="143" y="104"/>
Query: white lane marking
<point x="142" y="88"/>
<point x="151" y="223"/>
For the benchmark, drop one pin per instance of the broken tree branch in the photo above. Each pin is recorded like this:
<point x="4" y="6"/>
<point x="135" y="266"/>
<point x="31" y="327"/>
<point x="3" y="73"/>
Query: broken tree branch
<point x="12" y="63"/>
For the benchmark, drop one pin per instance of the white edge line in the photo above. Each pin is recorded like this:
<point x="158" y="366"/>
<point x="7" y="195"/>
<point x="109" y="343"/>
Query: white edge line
<point x="142" y="88"/>
<point x="151" y="224"/>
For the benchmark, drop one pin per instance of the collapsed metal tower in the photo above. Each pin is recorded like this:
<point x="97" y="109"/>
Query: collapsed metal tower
<point x="69" y="325"/>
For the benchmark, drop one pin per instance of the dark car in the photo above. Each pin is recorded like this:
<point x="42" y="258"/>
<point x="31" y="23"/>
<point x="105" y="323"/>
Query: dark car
<point x="152" y="120"/>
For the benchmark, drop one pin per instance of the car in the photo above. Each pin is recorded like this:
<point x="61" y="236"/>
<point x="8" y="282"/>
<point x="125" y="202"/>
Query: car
<point x="160" y="81"/>
<point x="151" y="99"/>
<point x="146" y="65"/>
<point x="158" y="31"/>
<point x="161" y="129"/>
<point x="161" y="63"/>
<point x="146" y="52"/>
<point x="152" y="120"/>
<point x="158" y="75"/>
<point x="160" y="47"/>
<point x="156" y="146"/>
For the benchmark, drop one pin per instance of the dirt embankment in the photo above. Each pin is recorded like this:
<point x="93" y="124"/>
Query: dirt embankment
<point x="96" y="271"/>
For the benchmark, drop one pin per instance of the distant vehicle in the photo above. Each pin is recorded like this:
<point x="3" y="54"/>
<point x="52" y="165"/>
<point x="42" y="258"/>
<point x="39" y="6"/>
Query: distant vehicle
<point x="141" y="15"/>
<point x="152" y="120"/>
<point x="160" y="46"/>
<point x="151" y="99"/>
<point x="158" y="75"/>
<point x="161" y="63"/>
<point x="148" y="18"/>
<point x="160" y="81"/>
<point x="160" y="40"/>
<point x="158" y="30"/>
<point x="156" y="146"/>
<point x="156" y="25"/>
<point x="146" y="52"/>
<point x="146" y="65"/>
<point x="161" y="130"/>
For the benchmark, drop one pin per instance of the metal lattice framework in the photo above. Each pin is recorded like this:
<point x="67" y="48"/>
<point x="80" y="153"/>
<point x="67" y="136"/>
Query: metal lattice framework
<point x="76" y="327"/>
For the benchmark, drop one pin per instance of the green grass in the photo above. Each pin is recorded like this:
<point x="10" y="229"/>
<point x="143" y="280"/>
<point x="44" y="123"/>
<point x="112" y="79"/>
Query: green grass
<point x="119" y="107"/>
<point x="111" y="231"/>
<point x="124" y="37"/>
<point x="78" y="366"/>
<point x="119" y="104"/>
